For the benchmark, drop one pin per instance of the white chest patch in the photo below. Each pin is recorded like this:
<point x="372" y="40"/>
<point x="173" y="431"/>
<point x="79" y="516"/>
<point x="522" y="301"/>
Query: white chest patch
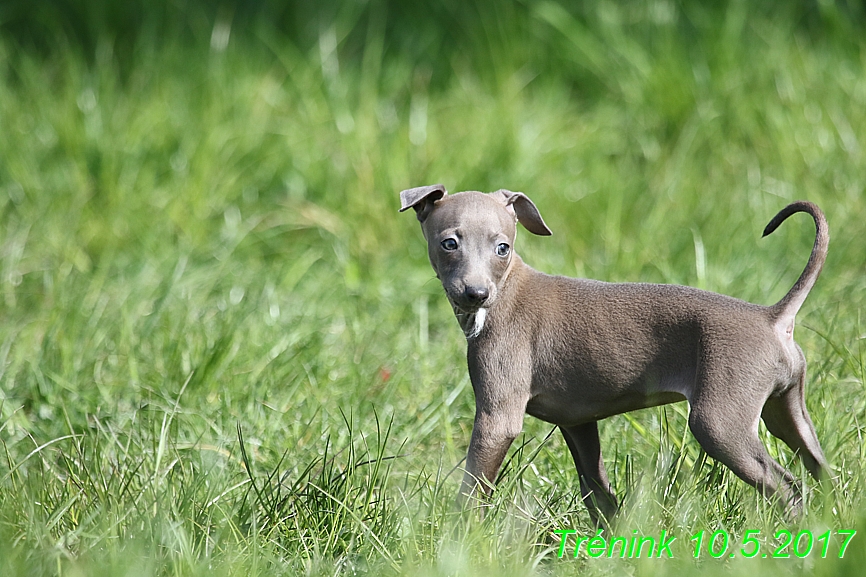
<point x="478" y="324"/>
<point x="471" y="323"/>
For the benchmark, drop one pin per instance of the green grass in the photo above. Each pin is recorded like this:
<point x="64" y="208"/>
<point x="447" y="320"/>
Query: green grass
<point x="224" y="352"/>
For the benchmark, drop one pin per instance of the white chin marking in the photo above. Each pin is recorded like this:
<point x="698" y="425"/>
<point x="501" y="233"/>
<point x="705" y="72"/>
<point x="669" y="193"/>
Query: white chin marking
<point x="480" y="317"/>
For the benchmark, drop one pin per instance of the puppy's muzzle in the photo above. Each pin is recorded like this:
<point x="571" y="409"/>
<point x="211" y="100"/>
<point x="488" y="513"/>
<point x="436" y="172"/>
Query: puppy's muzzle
<point x="475" y="296"/>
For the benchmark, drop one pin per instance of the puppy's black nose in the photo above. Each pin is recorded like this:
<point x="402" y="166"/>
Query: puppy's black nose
<point x="476" y="295"/>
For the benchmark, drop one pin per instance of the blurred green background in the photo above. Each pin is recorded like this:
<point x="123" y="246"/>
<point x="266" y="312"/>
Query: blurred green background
<point x="224" y="352"/>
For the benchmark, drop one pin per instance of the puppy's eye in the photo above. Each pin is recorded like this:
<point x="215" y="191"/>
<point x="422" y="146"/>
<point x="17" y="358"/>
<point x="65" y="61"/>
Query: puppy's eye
<point x="449" y="244"/>
<point x="502" y="249"/>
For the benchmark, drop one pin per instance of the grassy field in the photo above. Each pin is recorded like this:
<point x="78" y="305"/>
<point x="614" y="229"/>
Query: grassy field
<point x="223" y="351"/>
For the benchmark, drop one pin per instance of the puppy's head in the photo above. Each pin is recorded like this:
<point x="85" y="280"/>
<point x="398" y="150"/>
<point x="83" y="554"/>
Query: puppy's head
<point x="470" y="238"/>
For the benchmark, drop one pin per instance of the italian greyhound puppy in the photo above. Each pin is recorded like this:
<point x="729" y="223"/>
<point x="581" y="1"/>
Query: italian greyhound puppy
<point x="574" y="351"/>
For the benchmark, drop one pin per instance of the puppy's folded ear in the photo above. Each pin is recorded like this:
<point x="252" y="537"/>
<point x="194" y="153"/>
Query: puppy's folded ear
<point x="421" y="199"/>
<point x="524" y="210"/>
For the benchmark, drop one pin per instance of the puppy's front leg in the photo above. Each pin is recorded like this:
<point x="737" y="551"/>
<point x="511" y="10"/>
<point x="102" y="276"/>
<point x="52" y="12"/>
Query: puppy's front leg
<point x="492" y="434"/>
<point x="600" y="500"/>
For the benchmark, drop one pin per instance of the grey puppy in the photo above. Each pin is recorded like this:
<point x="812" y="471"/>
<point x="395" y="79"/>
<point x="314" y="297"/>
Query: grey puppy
<point x="574" y="351"/>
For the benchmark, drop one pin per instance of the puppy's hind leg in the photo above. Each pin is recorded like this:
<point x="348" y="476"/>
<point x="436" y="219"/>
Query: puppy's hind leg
<point x="582" y="441"/>
<point x="787" y="419"/>
<point x="733" y="440"/>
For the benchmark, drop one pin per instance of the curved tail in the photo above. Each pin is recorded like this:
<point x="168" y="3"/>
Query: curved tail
<point x="791" y="302"/>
